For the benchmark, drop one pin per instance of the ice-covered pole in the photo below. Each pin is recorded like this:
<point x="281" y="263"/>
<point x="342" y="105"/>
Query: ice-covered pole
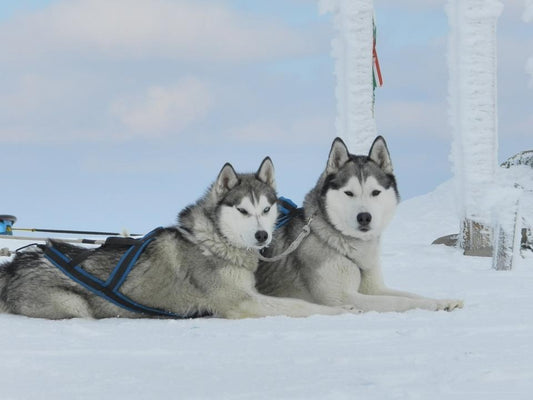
<point x="473" y="114"/>
<point x="352" y="50"/>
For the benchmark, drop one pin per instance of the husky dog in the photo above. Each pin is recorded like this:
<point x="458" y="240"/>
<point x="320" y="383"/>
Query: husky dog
<point x="339" y="262"/>
<point x="205" y="265"/>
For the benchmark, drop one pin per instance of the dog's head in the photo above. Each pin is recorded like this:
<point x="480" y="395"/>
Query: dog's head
<point x="359" y="193"/>
<point x="246" y="205"/>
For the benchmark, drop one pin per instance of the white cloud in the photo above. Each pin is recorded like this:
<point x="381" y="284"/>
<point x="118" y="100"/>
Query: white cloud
<point x="307" y="129"/>
<point x="44" y="109"/>
<point x="528" y="13"/>
<point x="25" y="104"/>
<point x="163" y="110"/>
<point x="178" y="29"/>
<point x="28" y="93"/>
<point x="70" y="68"/>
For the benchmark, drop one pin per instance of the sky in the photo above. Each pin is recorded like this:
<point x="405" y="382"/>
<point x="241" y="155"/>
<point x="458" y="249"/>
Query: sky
<point x="118" y="113"/>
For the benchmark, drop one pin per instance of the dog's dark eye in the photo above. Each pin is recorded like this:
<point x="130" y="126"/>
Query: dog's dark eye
<point x="348" y="193"/>
<point x="376" y="193"/>
<point x="267" y="209"/>
<point x="242" y="211"/>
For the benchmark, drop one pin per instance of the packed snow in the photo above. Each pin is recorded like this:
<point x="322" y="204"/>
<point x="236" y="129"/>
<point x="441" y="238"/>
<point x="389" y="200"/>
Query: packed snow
<point x="482" y="351"/>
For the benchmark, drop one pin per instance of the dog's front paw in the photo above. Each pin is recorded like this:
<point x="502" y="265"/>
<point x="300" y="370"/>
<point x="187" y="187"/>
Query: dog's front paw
<point x="351" y="309"/>
<point x="449" y="304"/>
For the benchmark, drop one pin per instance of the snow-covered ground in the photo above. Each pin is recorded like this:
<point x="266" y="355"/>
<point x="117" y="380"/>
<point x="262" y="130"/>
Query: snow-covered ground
<point x="484" y="351"/>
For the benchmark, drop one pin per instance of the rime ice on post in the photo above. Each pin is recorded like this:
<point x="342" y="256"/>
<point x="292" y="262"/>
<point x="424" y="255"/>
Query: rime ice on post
<point x="507" y="229"/>
<point x="473" y="115"/>
<point x="352" y="51"/>
<point x="508" y="215"/>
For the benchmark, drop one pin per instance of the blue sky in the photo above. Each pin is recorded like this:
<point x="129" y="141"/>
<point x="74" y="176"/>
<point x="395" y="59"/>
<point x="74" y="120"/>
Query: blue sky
<point x="118" y="113"/>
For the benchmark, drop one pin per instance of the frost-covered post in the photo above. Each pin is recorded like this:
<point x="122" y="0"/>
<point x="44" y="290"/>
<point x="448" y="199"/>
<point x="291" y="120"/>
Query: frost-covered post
<point x="508" y="217"/>
<point x="352" y="51"/>
<point x="473" y="115"/>
<point x="507" y="230"/>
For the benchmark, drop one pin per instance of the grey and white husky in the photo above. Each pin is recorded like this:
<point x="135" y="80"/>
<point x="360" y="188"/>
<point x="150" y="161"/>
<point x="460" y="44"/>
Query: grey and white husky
<point x="339" y="261"/>
<point x="205" y="265"/>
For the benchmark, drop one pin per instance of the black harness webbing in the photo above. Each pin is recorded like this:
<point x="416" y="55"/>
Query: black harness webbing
<point x="109" y="289"/>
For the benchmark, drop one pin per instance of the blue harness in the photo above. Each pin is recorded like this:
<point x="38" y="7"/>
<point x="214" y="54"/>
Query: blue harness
<point x="110" y="289"/>
<point x="287" y="210"/>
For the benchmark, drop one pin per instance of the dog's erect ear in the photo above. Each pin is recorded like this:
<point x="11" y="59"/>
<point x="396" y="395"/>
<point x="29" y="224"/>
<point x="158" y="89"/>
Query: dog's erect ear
<point x="380" y="154"/>
<point x="227" y="180"/>
<point x="338" y="156"/>
<point x="265" y="173"/>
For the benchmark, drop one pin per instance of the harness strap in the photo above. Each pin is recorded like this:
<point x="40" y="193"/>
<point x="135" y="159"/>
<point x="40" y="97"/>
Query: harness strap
<point x="306" y="230"/>
<point x="287" y="210"/>
<point x="109" y="289"/>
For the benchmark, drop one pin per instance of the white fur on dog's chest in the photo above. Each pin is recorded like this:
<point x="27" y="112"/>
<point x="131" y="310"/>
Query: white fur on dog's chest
<point x="340" y="273"/>
<point x="232" y="274"/>
<point x="364" y="255"/>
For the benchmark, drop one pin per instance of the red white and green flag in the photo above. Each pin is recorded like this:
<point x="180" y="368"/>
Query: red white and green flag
<point x="376" y="70"/>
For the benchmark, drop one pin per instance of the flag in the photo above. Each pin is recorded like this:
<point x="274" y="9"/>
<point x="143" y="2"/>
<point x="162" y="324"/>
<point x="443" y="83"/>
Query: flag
<point x="376" y="70"/>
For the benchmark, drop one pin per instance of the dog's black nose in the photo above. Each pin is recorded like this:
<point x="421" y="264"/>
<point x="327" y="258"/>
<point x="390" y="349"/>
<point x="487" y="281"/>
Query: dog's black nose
<point x="364" y="218"/>
<point x="261" y="236"/>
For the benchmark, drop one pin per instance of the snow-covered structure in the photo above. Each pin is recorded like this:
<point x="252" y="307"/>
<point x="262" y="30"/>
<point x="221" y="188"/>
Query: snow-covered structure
<point x="473" y="115"/>
<point x="514" y="209"/>
<point x="352" y="51"/>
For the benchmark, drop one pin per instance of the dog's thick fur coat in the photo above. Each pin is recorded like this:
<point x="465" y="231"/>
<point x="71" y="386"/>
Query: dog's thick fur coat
<point x="206" y="265"/>
<point x="339" y="262"/>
